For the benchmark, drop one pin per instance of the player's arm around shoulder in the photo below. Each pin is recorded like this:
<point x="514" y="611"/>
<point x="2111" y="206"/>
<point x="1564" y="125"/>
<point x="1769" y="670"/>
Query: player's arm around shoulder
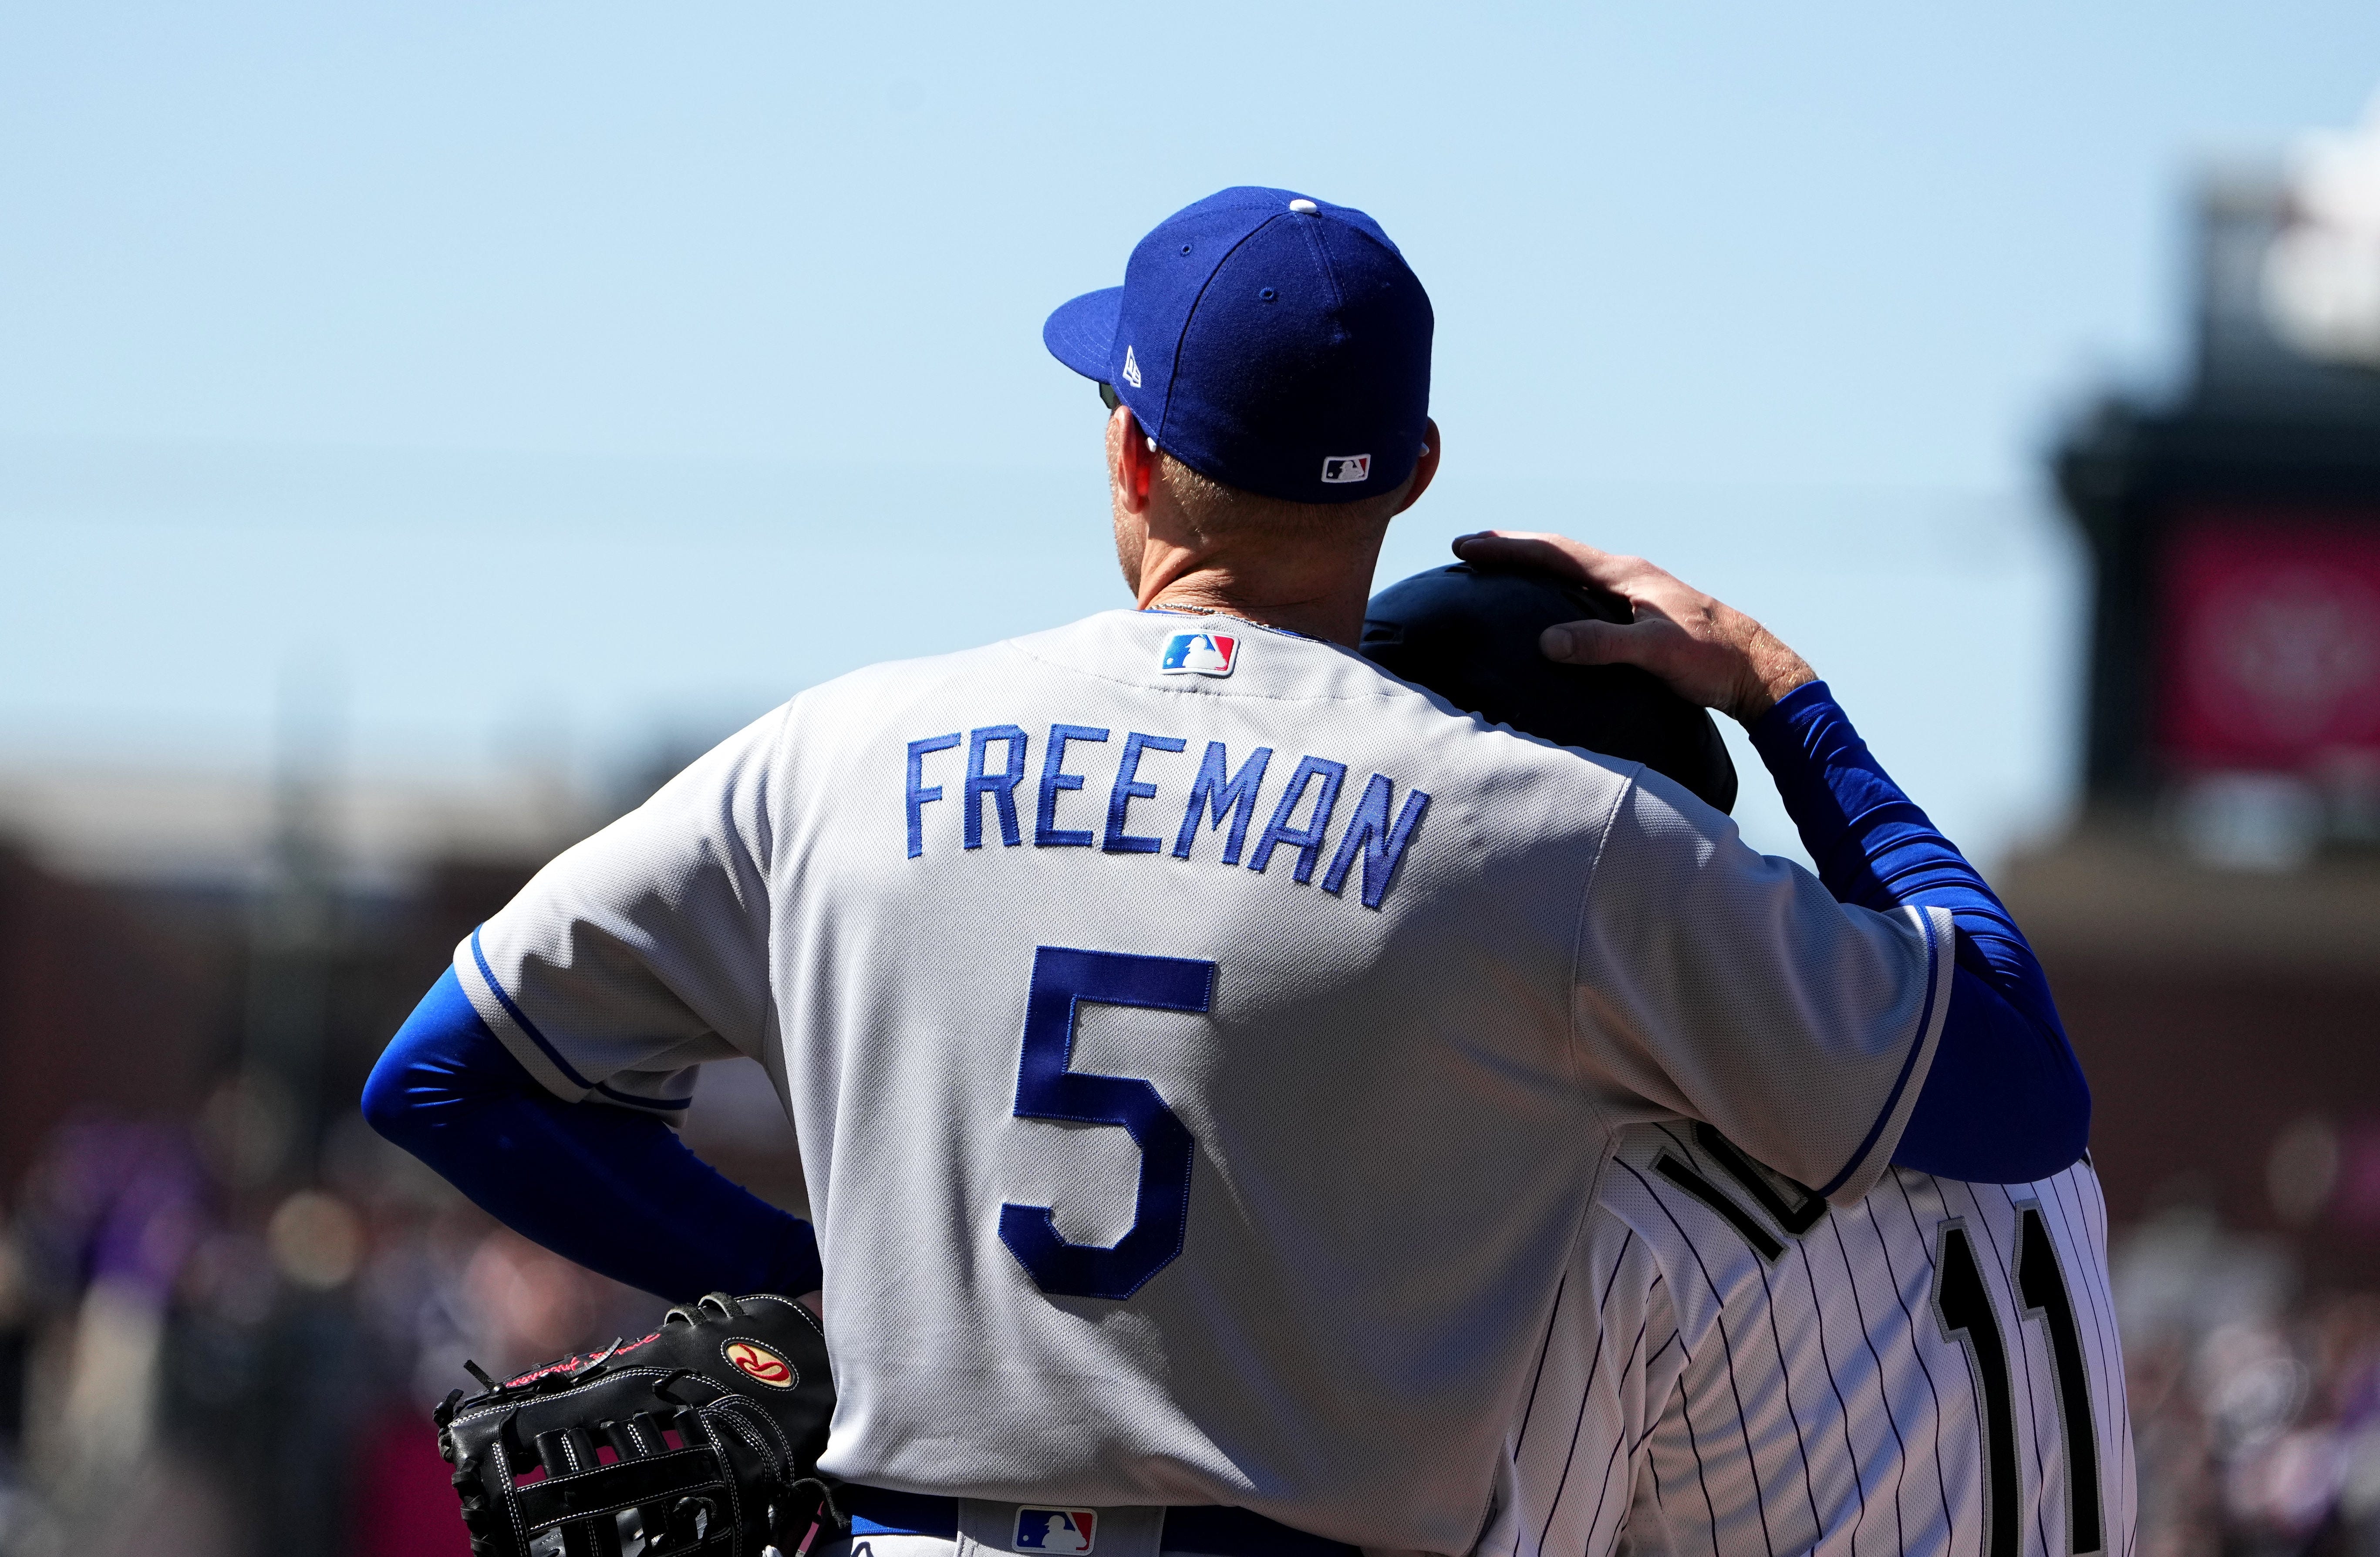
<point x="1730" y="987"/>
<point x="1802" y="1018"/>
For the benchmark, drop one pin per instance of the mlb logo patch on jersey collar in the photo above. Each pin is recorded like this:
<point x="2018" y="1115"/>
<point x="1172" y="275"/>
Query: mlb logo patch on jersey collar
<point x="1200" y="652"/>
<point x="1067" y="1531"/>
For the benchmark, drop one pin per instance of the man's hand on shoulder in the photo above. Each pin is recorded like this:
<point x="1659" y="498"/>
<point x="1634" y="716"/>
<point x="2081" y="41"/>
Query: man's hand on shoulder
<point x="1706" y="651"/>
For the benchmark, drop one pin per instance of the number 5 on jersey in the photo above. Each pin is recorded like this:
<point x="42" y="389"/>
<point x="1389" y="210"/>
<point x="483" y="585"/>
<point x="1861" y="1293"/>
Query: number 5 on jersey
<point x="1064" y="979"/>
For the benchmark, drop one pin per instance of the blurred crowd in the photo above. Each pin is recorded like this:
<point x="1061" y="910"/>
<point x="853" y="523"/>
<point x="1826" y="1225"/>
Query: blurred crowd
<point x="196" y="1357"/>
<point x="2256" y="1404"/>
<point x="227" y="1306"/>
<point x="196" y="1362"/>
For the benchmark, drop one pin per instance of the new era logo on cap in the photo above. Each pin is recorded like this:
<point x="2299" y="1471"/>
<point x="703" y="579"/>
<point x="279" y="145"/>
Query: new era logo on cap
<point x="1199" y="653"/>
<point x="1347" y="467"/>
<point x="1067" y="1530"/>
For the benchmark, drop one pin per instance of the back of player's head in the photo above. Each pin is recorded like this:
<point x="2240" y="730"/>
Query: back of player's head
<point x="1218" y="511"/>
<point x="1470" y="635"/>
<point x="1270" y="343"/>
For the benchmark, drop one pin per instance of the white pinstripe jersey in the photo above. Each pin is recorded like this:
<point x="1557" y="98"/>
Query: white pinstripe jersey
<point x="1734" y="1369"/>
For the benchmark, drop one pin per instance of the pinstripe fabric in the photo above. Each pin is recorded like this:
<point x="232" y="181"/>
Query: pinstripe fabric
<point x="1694" y="1397"/>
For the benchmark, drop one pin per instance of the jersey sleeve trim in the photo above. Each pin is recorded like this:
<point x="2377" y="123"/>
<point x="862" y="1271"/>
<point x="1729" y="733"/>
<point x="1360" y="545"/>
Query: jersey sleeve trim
<point x="554" y="1068"/>
<point x="1866" y="1163"/>
<point x="652" y="1104"/>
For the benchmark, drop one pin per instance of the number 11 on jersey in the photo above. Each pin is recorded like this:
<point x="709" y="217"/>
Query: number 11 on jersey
<point x="1963" y="1301"/>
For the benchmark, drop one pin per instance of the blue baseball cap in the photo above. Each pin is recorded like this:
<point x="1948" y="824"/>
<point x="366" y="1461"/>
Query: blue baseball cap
<point x="1271" y="341"/>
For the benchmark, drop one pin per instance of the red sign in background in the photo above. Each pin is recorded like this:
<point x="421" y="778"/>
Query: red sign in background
<point x="2271" y="642"/>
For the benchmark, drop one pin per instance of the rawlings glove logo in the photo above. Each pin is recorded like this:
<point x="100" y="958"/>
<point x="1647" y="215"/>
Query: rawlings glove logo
<point x="760" y="1365"/>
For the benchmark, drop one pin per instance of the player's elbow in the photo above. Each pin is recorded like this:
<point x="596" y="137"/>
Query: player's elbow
<point x="2068" y="1135"/>
<point x="2005" y="1102"/>
<point x="2014" y="1150"/>
<point x="2047" y="1136"/>
<point x="438" y="1060"/>
<point x="402" y="1082"/>
<point x="386" y="1106"/>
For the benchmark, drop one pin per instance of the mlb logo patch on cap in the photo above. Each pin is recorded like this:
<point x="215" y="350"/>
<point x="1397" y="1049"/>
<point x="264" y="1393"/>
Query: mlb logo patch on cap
<point x="1199" y="653"/>
<point x="1065" y="1531"/>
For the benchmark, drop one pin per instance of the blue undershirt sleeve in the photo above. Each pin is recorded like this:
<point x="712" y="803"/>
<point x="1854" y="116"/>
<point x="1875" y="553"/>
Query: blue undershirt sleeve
<point x="613" y="1189"/>
<point x="2005" y="1101"/>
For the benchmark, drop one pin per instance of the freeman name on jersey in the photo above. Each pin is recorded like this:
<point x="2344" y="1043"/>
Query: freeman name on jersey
<point x="1220" y="799"/>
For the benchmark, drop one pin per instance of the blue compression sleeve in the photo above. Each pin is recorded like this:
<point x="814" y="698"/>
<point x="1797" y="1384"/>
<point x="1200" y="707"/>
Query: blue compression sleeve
<point x="614" y="1190"/>
<point x="2005" y="1102"/>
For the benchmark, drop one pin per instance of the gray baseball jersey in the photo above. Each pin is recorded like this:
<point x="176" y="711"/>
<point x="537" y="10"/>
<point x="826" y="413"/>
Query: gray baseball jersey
<point x="1736" y="1369"/>
<point x="1200" y="1045"/>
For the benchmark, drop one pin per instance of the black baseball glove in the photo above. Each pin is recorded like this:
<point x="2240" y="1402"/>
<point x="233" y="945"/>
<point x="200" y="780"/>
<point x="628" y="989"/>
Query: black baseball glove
<point x="703" y="1437"/>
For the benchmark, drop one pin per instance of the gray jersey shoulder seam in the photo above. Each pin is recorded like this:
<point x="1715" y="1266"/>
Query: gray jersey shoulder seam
<point x="1578" y="953"/>
<point x="777" y="766"/>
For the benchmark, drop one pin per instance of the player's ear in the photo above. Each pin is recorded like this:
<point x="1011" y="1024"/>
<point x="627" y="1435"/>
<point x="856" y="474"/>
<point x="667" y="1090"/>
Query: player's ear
<point x="1425" y="467"/>
<point x="1132" y="459"/>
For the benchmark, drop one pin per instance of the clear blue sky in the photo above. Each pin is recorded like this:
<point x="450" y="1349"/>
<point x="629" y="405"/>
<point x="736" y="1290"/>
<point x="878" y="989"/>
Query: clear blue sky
<point x="547" y="374"/>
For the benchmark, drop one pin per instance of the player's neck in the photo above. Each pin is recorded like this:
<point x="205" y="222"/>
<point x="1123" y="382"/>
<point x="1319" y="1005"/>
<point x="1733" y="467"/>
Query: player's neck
<point x="1337" y="617"/>
<point x="1314" y="590"/>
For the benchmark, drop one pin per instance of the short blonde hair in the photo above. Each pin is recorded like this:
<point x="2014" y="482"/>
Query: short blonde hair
<point x="1215" y="509"/>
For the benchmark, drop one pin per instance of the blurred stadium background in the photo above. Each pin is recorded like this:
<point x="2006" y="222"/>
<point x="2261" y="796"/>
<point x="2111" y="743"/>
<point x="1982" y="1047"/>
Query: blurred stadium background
<point x="419" y="433"/>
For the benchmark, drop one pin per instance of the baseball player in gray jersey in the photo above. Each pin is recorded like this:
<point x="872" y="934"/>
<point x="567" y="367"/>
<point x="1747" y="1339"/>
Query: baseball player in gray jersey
<point x="1201" y="1044"/>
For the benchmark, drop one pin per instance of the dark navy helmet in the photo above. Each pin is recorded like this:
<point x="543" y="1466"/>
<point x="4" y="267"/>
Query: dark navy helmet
<point x="1469" y="634"/>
